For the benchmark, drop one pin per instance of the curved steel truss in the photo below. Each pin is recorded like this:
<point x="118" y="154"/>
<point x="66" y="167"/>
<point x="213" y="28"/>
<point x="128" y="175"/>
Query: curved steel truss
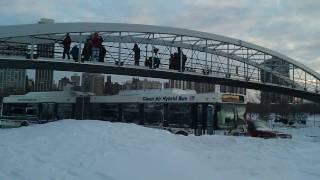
<point x="207" y="54"/>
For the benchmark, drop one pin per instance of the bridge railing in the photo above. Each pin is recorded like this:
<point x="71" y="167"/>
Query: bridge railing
<point x="204" y="56"/>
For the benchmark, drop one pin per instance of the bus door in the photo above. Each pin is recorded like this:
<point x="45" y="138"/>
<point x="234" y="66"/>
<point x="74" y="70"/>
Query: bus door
<point x="47" y="111"/>
<point x="210" y="119"/>
<point x="82" y="110"/>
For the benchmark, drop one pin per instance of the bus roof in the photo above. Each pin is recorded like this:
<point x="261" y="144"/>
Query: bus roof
<point x="68" y="96"/>
<point x="129" y="96"/>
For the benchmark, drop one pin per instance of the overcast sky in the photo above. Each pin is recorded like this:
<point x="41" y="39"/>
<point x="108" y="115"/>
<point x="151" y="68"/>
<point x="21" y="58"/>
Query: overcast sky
<point x="291" y="27"/>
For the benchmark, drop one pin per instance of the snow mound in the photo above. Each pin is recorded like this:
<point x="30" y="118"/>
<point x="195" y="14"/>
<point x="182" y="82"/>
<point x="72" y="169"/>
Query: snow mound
<point x="71" y="149"/>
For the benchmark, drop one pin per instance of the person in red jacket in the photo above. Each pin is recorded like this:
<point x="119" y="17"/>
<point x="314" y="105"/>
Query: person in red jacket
<point x="66" y="46"/>
<point x="96" y="46"/>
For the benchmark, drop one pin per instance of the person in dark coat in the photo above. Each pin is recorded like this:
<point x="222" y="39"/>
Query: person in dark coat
<point x="75" y="53"/>
<point x="177" y="60"/>
<point x="102" y="53"/>
<point x="136" y="51"/>
<point x="87" y="50"/>
<point x="66" y="46"/>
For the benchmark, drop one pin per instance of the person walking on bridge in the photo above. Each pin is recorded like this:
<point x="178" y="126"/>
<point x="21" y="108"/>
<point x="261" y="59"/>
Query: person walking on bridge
<point x="66" y="46"/>
<point x="136" y="51"/>
<point x="96" y="46"/>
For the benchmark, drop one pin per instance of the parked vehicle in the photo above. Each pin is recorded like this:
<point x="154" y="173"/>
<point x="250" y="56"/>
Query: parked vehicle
<point x="258" y="128"/>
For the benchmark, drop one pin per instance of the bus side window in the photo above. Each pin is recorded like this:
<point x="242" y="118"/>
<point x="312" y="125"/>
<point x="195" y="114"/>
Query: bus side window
<point x="31" y="111"/>
<point x="18" y="111"/>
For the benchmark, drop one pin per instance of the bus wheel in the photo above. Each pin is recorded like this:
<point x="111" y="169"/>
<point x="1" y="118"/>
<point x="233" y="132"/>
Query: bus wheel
<point x="24" y="123"/>
<point x="182" y="133"/>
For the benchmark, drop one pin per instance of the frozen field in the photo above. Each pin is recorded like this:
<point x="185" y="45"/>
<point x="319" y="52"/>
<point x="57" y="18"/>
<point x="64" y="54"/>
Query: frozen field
<point x="76" y="150"/>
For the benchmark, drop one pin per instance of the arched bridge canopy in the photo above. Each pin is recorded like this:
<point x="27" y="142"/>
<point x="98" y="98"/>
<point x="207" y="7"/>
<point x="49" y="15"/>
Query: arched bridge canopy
<point x="207" y="54"/>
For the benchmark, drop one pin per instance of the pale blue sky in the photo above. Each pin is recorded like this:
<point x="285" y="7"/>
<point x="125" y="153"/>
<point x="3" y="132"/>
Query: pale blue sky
<point x="291" y="27"/>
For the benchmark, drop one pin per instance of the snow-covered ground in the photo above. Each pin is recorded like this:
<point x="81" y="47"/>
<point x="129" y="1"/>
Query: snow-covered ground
<point x="69" y="149"/>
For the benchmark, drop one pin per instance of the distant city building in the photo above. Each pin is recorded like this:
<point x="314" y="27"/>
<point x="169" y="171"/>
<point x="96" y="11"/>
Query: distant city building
<point x="203" y="87"/>
<point x="43" y="80"/>
<point x="137" y="84"/>
<point x="75" y="79"/>
<point x="112" y="88"/>
<point x="279" y="66"/>
<point x="29" y="84"/>
<point x="13" y="80"/>
<point x="54" y="86"/>
<point x="63" y="82"/>
<point x="198" y="87"/>
<point x="92" y="82"/>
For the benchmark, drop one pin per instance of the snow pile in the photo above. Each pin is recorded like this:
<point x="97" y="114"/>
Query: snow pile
<point x="70" y="149"/>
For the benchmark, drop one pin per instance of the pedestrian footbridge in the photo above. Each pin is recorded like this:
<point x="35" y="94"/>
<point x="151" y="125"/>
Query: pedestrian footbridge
<point x="203" y="57"/>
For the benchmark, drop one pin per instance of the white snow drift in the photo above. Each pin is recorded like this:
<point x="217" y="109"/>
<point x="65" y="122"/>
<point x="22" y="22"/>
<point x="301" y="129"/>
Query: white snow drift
<point x="78" y="150"/>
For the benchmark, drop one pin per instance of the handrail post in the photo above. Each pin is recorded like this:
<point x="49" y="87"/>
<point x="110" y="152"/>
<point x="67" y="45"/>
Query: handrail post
<point x="181" y="58"/>
<point x="119" y="50"/>
<point x="32" y="48"/>
<point x="152" y="52"/>
<point x="79" y="52"/>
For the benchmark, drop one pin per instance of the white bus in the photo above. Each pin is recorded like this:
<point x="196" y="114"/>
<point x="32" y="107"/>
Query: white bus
<point x="180" y="111"/>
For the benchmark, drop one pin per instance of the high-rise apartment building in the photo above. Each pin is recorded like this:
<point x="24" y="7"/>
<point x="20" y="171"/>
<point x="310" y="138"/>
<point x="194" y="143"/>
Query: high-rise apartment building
<point x="13" y="80"/>
<point x="92" y="82"/>
<point x="112" y="88"/>
<point x="43" y="80"/>
<point x="137" y="84"/>
<point x="279" y="66"/>
<point x="63" y="82"/>
<point x="198" y="87"/>
<point x="203" y="87"/>
<point x="75" y="79"/>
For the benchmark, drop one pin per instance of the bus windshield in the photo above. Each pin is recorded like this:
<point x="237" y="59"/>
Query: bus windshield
<point x="230" y="114"/>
